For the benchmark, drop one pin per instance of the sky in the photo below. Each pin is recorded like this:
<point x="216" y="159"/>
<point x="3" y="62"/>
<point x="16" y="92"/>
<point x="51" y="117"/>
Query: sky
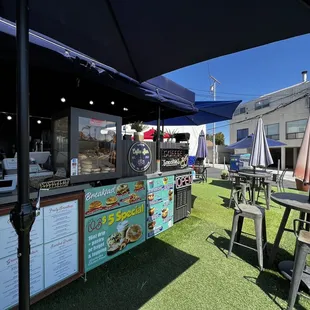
<point x="248" y="74"/>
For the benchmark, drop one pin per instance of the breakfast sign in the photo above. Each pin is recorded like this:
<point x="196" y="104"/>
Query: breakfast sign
<point x="106" y="198"/>
<point x="112" y="233"/>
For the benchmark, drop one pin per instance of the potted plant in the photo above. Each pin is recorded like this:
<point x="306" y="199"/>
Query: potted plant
<point x="139" y="128"/>
<point x="224" y="175"/>
<point x="171" y="133"/>
<point x="161" y="139"/>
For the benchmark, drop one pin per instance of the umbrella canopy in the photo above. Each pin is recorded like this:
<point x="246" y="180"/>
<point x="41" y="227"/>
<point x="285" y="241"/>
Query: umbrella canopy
<point x="302" y="169"/>
<point x="247" y="143"/>
<point x="144" y="40"/>
<point x="202" y="150"/>
<point x="208" y="112"/>
<point x="50" y="54"/>
<point x="260" y="155"/>
<point x="148" y="135"/>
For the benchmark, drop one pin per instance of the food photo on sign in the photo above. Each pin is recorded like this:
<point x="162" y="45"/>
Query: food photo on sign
<point x="105" y="198"/>
<point x="160" y="203"/>
<point x="110" y="234"/>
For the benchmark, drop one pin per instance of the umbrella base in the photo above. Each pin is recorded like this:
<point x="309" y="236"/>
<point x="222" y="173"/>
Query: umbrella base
<point x="301" y="186"/>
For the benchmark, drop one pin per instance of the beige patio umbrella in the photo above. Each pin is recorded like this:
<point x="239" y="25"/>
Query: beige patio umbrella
<point x="302" y="169"/>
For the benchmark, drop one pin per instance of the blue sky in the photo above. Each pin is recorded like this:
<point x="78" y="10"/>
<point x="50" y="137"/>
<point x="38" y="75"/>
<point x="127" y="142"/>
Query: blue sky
<point x="248" y="74"/>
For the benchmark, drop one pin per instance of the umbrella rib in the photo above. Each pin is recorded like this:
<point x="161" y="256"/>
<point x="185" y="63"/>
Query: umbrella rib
<point x="122" y="38"/>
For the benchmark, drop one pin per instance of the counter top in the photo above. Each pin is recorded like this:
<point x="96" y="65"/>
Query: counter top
<point x="6" y="199"/>
<point x="154" y="175"/>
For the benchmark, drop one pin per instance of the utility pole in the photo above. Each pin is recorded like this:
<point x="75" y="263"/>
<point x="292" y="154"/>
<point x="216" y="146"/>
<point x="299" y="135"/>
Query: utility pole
<point x="213" y="89"/>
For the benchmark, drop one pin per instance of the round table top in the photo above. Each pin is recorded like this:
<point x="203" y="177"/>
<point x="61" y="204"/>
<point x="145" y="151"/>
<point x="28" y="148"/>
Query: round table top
<point x="257" y="174"/>
<point x="294" y="201"/>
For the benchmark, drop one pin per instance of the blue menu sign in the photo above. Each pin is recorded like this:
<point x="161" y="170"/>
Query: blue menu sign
<point x="139" y="157"/>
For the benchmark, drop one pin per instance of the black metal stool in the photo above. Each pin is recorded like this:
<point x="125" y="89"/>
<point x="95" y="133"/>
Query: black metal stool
<point x="257" y="214"/>
<point x="303" y="249"/>
<point x="239" y="189"/>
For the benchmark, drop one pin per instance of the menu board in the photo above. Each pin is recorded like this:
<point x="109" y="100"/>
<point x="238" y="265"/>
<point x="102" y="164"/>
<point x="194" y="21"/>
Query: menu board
<point x="9" y="239"/>
<point x="112" y="233"/>
<point x="60" y="259"/>
<point x="9" y="277"/>
<point x="60" y="220"/>
<point x="160" y="206"/>
<point x="54" y="251"/>
<point x="107" y="198"/>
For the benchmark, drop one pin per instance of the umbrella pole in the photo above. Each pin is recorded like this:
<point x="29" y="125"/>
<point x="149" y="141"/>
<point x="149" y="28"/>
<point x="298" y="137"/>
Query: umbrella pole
<point x="23" y="214"/>
<point x="158" y="142"/>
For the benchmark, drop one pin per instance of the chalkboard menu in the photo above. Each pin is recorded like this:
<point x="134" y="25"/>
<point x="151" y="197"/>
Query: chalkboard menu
<point x="173" y="159"/>
<point x="139" y="157"/>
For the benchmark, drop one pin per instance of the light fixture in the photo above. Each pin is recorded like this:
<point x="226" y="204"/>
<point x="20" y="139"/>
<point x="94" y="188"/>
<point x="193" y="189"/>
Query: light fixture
<point x="125" y="109"/>
<point x="39" y="121"/>
<point x="112" y="102"/>
<point x="9" y="117"/>
<point x="91" y="102"/>
<point x="63" y="99"/>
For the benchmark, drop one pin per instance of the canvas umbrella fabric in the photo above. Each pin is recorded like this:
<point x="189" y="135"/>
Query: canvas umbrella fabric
<point x="302" y="169"/>
<point x="260" y="154"/>
<point x="247" y="143"/>
<point x="202" y="150"/>
<point x="148" y="135"/>
<point x="141" y="39"/>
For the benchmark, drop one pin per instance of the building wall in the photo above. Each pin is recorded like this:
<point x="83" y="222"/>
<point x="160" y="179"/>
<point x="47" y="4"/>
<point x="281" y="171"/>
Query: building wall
<point x="285" y="105"/>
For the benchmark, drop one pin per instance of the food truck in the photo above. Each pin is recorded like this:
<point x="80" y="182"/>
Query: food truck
<point x="98" y="195"/>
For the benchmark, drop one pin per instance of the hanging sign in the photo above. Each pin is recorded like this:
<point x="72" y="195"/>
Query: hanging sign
<point x="173" y="159"/>
<point x="139" y="157"/>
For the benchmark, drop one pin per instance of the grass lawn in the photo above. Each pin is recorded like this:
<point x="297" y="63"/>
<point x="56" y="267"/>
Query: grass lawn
<point x="186" y="267"/>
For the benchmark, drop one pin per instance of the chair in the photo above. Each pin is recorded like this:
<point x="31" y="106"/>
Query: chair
<point x="257" y="214"/>
<point x="280" y="180"/>
<point x="265" y="185"/>
<point x="303" y="249"/>
<point x="239" y="188"/>
<point x="201" y="174"/>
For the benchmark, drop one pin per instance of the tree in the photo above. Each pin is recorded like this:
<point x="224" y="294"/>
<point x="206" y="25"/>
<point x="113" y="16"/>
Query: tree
<point x="219" y="138"/>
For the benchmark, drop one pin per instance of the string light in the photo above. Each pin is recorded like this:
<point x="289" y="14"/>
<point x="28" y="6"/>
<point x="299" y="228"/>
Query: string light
<point x="9" y="117"/>
<point x="39" y="121"/>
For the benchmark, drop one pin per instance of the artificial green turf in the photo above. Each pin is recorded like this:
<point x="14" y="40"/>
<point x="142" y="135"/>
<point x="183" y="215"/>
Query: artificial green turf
<point x="186" y="267"/>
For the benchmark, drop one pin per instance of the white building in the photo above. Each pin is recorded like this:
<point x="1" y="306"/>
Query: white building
<point x="285" y="114"/>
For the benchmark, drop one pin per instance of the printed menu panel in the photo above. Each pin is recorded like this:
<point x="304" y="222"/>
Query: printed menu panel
<point x="110" y="234"/>
<point x="9" y="277"/>
<point x="106" y="198"/>
<point x="60" y="259"/>
<point x="9" y="239"/>
<point x="160" y="205"/>
<point x="60" y="220"/>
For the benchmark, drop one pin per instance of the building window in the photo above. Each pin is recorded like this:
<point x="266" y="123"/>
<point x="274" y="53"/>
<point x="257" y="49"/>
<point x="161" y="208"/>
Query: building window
<point x="242" y="133"/>
<point x="296" y="129"/>
<point x="262" y="104"/>
<point x="272" y="131"/>
<point x="242" y="110"/>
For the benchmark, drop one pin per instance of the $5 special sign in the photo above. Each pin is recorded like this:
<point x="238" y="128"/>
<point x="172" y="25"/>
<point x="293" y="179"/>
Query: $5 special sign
<point x="110" y="234"/>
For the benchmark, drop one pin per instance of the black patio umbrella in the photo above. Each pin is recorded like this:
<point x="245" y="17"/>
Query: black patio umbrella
<point x="144" y="39"/>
